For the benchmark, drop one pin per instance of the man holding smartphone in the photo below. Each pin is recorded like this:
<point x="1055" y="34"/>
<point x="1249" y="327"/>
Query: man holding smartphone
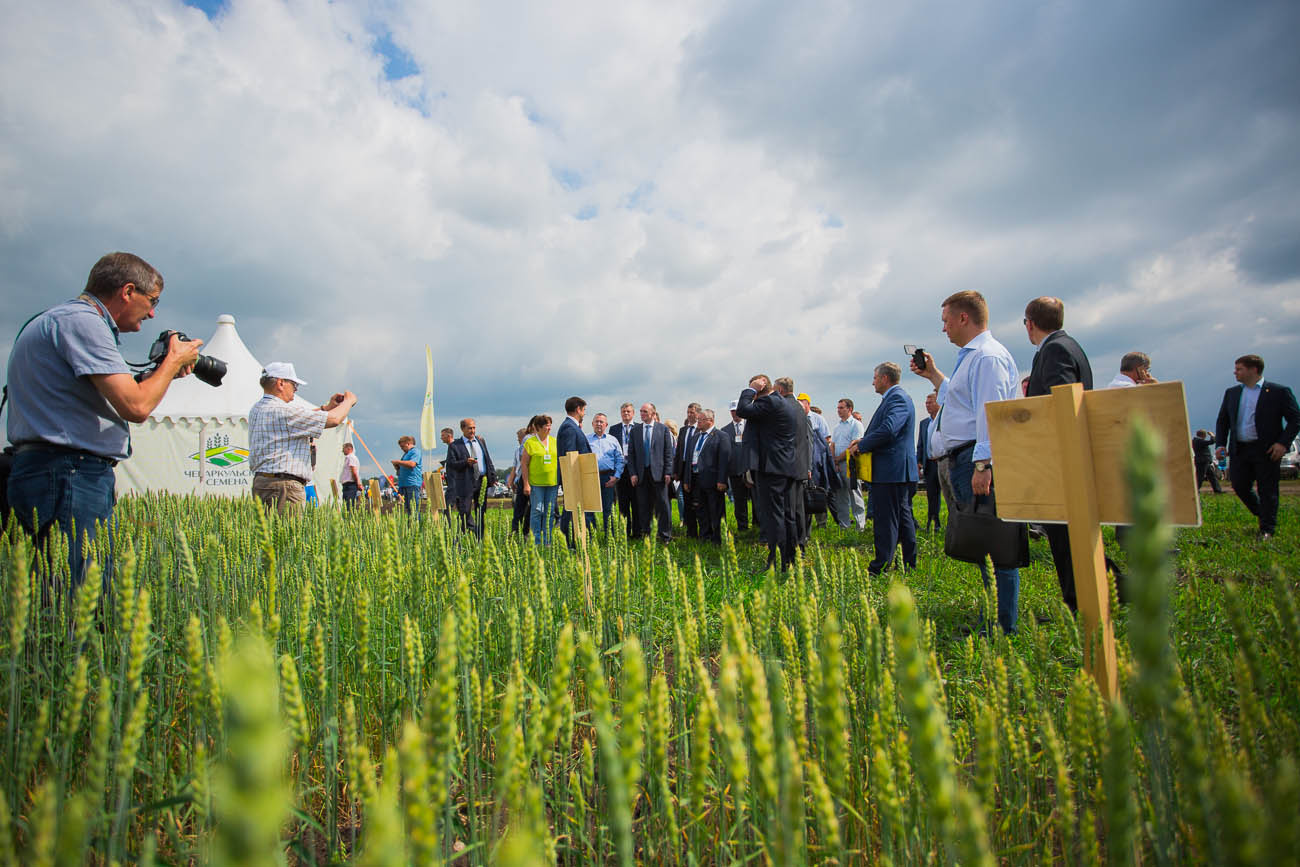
<point x="984" y="372"/>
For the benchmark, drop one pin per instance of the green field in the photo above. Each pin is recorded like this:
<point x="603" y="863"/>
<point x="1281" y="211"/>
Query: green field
<point x="333" y="687"/>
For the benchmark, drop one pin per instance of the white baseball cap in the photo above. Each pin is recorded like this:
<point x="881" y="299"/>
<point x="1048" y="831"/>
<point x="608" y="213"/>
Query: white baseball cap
<point x="283" y="370"/>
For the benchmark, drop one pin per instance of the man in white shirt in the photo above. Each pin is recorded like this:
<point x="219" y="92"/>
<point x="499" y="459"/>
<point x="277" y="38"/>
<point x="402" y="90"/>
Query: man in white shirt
<point x="350" y="475"/>
<point x="280" y="431"/>
<point x="1134" y="369"/>
<point x="985" y="371"/>
<point x="846" y="502"/>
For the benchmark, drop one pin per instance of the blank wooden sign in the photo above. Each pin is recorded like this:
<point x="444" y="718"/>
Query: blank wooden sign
<point x="437" y="499"/>
<point x="580" y="475"/>
<point x="1029" y="464"/>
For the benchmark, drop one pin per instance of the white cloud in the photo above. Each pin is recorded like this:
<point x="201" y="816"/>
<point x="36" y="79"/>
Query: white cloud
<point x="762" y="186"/>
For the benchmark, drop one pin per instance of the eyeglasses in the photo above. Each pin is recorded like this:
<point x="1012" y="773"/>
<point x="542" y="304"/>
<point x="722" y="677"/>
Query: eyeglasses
<point x="153" y="299"/>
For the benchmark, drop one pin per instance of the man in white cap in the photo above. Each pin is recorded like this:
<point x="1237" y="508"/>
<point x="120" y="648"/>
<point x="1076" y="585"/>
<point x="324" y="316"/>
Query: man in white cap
<point x="280" y="431"/>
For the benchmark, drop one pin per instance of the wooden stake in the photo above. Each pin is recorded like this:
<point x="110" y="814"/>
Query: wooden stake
<point x="1086" y="553"/>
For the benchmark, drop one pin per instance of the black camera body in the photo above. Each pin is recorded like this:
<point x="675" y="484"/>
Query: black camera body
<point x="918" y="355"/>
<point x="209" y="370"/>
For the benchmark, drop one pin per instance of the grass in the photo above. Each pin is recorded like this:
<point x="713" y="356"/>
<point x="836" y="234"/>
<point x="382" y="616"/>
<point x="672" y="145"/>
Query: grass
<point x="634" y="702"/>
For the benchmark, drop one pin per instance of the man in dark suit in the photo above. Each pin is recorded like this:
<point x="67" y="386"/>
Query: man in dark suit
<point x="1251" y="423"/>
<point x="777" y="433"/>
<point x="893" y="468"/>
<point x="1059" y="361"/>
<point x="704" y="475"/>
<point x="650" y="463"/>
<point x="570" y="438"/>
<point x="927" y="466"/>
<point x="626" y="495"/>
<point x="686" y="504"/>
<point x="741" y="485"/>
<point x="468" y="464"/>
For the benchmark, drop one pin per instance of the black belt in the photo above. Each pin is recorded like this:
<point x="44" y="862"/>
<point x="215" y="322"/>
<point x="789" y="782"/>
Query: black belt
<point x="57" y="449"/>
<point x="288" y="477"/>
<point x="952" y="451"/>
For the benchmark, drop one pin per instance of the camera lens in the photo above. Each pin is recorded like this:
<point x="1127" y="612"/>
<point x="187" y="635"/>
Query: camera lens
<point x="209" y="370"/>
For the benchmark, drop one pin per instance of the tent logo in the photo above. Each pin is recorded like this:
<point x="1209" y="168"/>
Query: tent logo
<point x="222" y="456"/>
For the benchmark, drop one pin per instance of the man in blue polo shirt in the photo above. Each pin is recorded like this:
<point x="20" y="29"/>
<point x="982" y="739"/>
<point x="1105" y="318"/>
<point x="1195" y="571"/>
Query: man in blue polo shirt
<point x="410" y="472"/>
<point x="71" y="396"/>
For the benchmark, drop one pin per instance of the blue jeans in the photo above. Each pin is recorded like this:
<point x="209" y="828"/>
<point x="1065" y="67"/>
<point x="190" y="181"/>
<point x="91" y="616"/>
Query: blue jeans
<point x="541" y="506"/>
<point x="76" y="490"/>
<point x="960" y="467"/>
<point x="410" y="497"/>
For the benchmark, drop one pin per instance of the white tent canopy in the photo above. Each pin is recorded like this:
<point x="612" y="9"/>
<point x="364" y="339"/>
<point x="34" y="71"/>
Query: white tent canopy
<point x="196" y="441"/>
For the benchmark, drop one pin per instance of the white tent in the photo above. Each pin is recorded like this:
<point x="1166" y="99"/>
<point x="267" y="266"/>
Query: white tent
<point x="196" y="441"/>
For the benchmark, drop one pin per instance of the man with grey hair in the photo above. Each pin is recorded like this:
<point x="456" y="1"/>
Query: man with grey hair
<point x="72" y="396"/>
<point x="893" y="468"/>
<point x="686" y="508"/>
<point x="1134" y="369"/>
<point x="650" y="470"/>
<point x="280" y="431"/>
<point x="705" y="476"/>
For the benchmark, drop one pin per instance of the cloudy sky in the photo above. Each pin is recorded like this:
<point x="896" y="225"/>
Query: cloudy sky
<point x="653" y="200"/>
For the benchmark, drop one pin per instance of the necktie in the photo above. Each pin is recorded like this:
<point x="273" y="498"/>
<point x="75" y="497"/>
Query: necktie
<point x="648" y="431"/>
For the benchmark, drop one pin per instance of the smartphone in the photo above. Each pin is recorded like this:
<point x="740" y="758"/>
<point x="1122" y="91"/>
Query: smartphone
<point x="917" y="353"/>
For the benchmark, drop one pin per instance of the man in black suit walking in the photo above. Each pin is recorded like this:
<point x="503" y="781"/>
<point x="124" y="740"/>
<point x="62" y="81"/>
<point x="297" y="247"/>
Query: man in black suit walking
<point x="650" y="464"/>
<point x="468" y="464"/>
<point x="1059" y="361"/>
<point x="705" y="476"/>
<point x="626" y="495"/>
<point x="1251" y="423"/>
<point x="741" y="486"/>
<point x="778" y="431"/>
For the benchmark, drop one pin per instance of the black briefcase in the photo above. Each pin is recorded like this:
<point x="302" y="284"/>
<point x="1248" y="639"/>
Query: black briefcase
<point x="814" y="499"/>
<point x="975" y="532"/>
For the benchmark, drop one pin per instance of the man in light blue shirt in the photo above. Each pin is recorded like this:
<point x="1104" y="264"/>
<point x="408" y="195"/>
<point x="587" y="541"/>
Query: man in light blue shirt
<point x="846" y="503"/>
<point x="71" y="396"/>
<point x="609" y="460"/>
<point x="410" y="473"/>
<point x="985" y="371"/>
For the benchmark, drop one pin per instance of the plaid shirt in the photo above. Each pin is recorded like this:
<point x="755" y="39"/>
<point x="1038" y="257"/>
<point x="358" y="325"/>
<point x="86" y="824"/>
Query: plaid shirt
<point x="280" y="435"/>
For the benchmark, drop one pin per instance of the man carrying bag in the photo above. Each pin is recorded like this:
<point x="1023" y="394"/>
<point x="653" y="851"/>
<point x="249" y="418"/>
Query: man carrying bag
<point x="984" y="372"/>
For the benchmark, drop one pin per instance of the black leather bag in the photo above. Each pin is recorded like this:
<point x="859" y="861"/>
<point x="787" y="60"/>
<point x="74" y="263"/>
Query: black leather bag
<point x="814" y="499"/>
<point x="975" y="531"/>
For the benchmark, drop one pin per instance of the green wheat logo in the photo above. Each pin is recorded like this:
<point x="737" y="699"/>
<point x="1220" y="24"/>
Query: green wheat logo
<point x="223" y="456"/>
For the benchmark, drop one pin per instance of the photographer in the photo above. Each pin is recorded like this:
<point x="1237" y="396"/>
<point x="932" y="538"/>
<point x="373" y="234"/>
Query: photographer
<point x="280" y="430"/>
<point x="71" y="395"/>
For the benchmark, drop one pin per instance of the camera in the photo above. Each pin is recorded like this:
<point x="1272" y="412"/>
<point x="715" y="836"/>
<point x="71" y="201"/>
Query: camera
<point x="209" y="370"/>
<point x="918" y="355"/>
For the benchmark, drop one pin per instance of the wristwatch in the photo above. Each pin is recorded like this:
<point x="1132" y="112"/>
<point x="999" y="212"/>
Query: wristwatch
<point x="981" y="466"/>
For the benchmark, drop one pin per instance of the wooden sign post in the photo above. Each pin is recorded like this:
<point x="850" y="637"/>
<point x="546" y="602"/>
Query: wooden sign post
<point x="1060" y="459"/>
<point x="375" y="500"/>
<point x="437" y="500"/>
<point x="580" y="476"/>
